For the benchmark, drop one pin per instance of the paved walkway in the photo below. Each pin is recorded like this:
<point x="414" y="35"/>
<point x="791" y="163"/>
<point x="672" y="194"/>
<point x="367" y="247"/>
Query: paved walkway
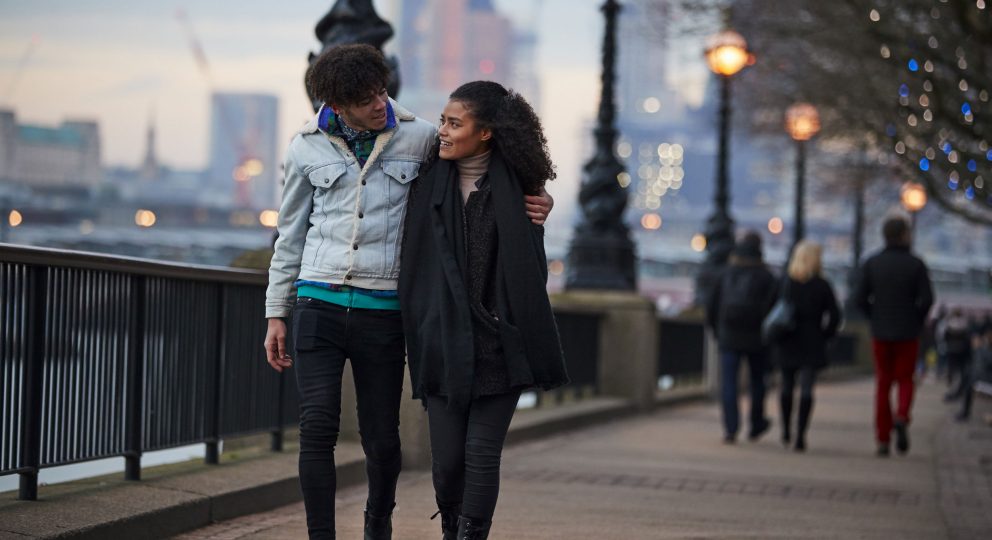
<point x="668" y="475"/>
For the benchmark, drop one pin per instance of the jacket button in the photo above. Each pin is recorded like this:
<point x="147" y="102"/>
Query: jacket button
<point x="360" y="215"/>
<point x="354" y="246"/>
<point x="326" y="180"/>
<point x="348" y="277"/>
<point x="403" y="176"/>
<point x="363" y="182"/>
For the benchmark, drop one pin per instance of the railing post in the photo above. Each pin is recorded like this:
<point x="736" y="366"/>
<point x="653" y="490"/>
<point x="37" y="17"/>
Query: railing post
<point x="135" y="381"/>
<point x="212" y="456"/>
<point x="31" y="406"/>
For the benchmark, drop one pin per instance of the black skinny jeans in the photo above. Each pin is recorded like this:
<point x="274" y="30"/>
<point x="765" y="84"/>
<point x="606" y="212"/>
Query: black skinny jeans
<point x="466" y="447"/>
<point x="807" y="378"/>
<point x="325" y="335"/>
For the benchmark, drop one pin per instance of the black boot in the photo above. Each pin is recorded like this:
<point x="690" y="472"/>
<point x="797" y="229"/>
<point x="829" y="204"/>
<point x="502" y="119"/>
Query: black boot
<point x="902" y="436"/>
<point x="785" y="404"/>
<point x="449" y="520"/>
<point x="472" y="529"/>
<point x="805" y="410"/>
<point x="379" y="527"/>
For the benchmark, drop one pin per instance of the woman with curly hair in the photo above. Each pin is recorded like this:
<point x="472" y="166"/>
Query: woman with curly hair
<point x="472" y="288"/>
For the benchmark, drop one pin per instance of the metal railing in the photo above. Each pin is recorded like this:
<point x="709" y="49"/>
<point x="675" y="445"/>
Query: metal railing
<point x="105" y="356"/>
<point x="108" y="356"/>
<point x="681" y="352"/>
<point x="579" y="334"/>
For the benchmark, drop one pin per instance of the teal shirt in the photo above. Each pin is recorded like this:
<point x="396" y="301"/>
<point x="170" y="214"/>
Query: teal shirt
<point x="349" y="297"/>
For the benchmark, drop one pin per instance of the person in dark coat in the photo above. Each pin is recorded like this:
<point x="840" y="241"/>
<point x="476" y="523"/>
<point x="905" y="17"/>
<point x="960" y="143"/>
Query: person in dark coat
<point x="476" y="314"/>
<point x="738" y="304"/>
<point x="956" y="331"/>
<point x="894" y="291"/>
<point x="803" y="352"/>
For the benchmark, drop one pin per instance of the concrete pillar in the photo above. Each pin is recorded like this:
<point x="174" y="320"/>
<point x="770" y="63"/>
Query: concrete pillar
<point x="628" y="342"/>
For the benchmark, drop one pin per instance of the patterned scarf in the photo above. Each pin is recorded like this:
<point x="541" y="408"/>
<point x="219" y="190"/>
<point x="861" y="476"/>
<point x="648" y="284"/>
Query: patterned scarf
<point x="361" y="143"/>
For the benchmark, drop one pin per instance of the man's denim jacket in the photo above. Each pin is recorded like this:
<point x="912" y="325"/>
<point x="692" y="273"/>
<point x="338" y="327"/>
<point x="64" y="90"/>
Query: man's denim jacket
<point x="339" y="222"/>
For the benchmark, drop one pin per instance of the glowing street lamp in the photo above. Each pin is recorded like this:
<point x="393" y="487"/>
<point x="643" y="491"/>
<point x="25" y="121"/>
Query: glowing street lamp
<point x="913" y="197"/>
<point x="726" y="54"/>
<point x="144" y="218"/>
<point x="802" y="122"/>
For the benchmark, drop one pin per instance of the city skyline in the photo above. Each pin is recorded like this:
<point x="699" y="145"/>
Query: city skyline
<point x="118" y="62"/>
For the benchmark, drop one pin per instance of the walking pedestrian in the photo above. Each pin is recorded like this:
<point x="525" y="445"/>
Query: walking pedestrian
<point x="472" y="287"/>
<point x="978" y="371"/>
<point x="803" y="352"/>
<point x="894" y="291"/>
<point x="738" y="304"/>
<point x="348" y="172"/>
<point x="956" y="332"/>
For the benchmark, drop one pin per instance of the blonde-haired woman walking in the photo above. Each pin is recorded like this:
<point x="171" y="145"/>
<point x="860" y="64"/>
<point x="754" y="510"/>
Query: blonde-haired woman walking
<point x="804" y="351"/>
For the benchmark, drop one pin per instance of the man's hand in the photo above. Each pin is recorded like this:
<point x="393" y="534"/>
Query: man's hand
<point x="275" y="345"/>
<point x="539" y="206"/>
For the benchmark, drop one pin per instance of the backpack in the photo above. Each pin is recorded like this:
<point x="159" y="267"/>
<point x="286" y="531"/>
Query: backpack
<point x="742" y="299"/>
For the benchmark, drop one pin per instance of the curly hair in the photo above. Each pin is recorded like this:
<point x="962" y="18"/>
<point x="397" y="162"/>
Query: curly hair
<point x="516" y="129"/>
<point x="347" y="74"/>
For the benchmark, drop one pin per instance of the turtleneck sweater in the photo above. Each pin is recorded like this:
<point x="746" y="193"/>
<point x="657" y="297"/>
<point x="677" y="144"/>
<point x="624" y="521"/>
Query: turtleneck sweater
<point x="470" y="170"/>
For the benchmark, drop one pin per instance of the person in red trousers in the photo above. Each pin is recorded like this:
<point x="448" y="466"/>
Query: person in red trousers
<point x="895" y="293"/>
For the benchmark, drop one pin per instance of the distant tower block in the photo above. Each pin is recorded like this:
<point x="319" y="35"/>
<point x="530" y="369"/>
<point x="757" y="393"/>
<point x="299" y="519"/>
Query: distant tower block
<point x="243" y="143"/>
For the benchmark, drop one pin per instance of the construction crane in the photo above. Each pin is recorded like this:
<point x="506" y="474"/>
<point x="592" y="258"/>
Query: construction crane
<point x="22" y="65"/>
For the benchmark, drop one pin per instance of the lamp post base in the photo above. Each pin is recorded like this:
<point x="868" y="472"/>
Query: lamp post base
<point x="603" y="260"/>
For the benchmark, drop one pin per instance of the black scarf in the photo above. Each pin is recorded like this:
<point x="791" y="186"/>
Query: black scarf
<point x="436" y="315"/>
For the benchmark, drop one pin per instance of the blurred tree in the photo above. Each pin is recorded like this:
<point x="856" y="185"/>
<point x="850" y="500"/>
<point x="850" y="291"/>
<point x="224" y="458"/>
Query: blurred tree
<point x="905" y="81"/>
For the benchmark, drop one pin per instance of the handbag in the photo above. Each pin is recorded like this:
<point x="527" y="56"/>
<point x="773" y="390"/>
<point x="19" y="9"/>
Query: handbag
<point x="781" y="320"/>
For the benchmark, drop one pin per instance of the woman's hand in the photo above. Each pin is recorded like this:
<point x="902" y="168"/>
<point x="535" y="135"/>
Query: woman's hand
<point x="539" y="206"/>
<point x="275" y="345"/>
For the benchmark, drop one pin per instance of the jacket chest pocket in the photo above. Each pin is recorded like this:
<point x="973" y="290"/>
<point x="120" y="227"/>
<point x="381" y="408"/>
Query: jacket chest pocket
<point x="399" y="175"/>
<point x="325" y="176"/>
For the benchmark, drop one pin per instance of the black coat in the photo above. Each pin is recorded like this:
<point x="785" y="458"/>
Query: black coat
<point x="894" y="291"/>
<point x="742" y="297"/>
<point x="817" y="318"/>
<point x="437" y="319"/>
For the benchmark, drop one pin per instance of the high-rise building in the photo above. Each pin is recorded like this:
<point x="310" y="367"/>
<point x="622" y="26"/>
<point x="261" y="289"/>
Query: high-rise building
<point x="446" y="43"/>
<point x="64" y="158"/>
<point x="244" y="170"/>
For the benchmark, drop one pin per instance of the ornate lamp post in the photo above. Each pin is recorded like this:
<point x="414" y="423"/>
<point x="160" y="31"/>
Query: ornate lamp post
<point x="802" y="121"/>
<point x="355" y="21"/>
<point x="726" y="55"/>
<point x="913" y="197"/>
<point x="601" y="255"/>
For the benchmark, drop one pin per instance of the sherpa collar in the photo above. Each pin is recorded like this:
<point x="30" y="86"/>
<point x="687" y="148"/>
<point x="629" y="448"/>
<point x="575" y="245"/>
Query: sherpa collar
<point x="313" y="126"/>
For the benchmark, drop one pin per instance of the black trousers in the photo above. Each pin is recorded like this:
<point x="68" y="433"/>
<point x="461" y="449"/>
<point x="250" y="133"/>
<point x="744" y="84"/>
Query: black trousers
<point x="325" y="336"/>
<point x="466" y="447"/>
<point x="807" y="379"/>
